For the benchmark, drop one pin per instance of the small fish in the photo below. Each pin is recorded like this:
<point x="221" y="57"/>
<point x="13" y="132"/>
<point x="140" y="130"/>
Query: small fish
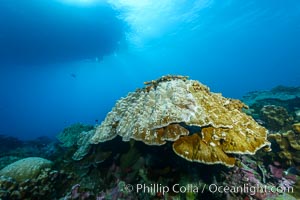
<point x="73" y="75"/>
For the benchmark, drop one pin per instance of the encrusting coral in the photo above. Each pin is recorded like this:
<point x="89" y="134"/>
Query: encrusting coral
<point x="83" y="144"/>
<point x="296" y="127"/>
<point x="275" y="117"/>
<point x="70" y="135"/>
<point x="289" y="145"/>
<point x="48" y="185"/>
<point x="205" y="126"/>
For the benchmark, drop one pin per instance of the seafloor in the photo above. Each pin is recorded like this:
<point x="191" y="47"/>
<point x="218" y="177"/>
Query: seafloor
<point x="48" y="169"/>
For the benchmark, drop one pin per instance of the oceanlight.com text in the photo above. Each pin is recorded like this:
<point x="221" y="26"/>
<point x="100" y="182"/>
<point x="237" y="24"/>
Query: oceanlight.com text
<point x="201" y="188"/>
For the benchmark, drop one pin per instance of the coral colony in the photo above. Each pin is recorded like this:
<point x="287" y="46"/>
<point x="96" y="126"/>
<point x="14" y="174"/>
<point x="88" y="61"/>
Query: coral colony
<point x="167" y="109"/>
<point x="172" y="139"/>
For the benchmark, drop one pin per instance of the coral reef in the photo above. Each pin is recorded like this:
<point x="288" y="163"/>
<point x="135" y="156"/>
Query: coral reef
<point x="115" y="193"/>
<point x="82" y="145"/>
<point x="77" y="136"/>
<point x="249" y="179"/>
<point x="289" y="146"/>
<point x="42" y="147"/>
<point x="171" y="108"/>
<point x="49" y="185"/>
<point x="277" y="111"/>
<point x="275" y="117"/>
<point x="286" y="97"/>
<point x="26" y="168"/>
<point x="70" y="135"/>
<point x="296" y="127"/>
<point x="8" y="143"/>
<point x="280" y="95"/>
<point x="169" y="119"/>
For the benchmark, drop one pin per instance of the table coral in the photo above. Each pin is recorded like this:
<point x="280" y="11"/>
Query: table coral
<point x="171" y="109"/>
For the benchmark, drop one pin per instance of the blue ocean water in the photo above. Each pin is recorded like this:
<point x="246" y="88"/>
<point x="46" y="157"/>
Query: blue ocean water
<point x="68" y="61"/>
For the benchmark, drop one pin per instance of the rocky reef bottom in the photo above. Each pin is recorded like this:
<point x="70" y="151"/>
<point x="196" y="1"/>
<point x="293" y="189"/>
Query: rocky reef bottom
<point x="44" y="168"/>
